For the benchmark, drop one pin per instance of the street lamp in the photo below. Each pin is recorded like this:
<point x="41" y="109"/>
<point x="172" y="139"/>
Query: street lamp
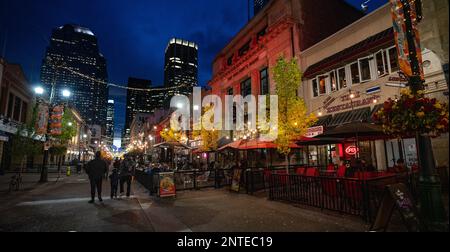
<point x="66" y="93"/>
<point x="39" y="90"/>
<point x="431" y="205"/>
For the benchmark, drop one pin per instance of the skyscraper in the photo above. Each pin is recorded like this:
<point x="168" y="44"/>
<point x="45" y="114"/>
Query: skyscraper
<point x="110" y="122"/>
<point x="77" y="48"/>
<point x="181" y="67"/>
<point x="258" y="5"/>
<point x="138" y="101"/>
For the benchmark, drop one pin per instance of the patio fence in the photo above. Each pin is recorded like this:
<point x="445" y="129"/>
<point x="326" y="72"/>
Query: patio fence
<point x="344" y="195"/>
<point x="188" y="180"/>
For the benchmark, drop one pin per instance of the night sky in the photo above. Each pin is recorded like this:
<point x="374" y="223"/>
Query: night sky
<point x="132" y="35"/>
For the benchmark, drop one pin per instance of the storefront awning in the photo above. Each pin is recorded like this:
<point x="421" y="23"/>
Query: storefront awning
<point x="323" y="121"/>
<point x="359" y="115"/>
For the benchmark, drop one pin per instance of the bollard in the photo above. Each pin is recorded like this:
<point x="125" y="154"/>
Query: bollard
<point x="68" y="171"/>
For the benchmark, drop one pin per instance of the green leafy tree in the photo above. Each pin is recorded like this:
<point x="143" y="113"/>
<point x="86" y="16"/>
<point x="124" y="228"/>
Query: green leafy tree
<point x="60" y="143"/>
<point x="293" y="117"/>
<point x="26" y="141"/>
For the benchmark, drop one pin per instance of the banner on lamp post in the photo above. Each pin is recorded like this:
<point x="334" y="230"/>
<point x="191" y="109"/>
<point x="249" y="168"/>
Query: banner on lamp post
<point x="41" y="126"/>
<point x="400" y="32"/>
<point x="56" y="120"/>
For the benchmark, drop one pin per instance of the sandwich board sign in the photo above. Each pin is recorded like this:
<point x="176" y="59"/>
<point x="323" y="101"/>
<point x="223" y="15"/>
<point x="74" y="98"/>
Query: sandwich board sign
<point x="398" y="197"/>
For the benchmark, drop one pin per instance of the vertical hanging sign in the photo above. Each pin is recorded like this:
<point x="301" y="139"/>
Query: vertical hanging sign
<point x="42" y="119"/>
<point x="56" y="120"/>
<point x="400" y="32"/>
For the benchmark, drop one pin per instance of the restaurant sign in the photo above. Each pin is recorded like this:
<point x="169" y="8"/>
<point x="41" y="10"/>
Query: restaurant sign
<point x="352" y="150"/>
<point x="351" y="103"/>
<point x="314" y="131"/>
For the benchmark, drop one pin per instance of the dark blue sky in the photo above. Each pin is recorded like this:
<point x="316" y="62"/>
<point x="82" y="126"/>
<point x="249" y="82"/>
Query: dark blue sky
<point x="132" y="34"/>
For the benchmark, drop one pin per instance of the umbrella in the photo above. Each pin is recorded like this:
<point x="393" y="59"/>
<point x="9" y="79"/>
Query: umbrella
<point x="256" y="144"/>
<point x="354" y="129"/>
<point x="233" y="145"/>
<point x="319" y="140"/>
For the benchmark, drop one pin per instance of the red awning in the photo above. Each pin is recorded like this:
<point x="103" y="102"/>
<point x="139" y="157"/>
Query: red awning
<point x="233" y="145"/>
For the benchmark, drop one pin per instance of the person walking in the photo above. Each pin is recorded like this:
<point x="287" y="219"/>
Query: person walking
<point x="114" y="179"/>
<point x="126" y="173"/>
<point x="96" y="169"/>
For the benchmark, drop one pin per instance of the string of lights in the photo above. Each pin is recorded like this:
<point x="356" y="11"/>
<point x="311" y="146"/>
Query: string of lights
<point x="109" y="84"/>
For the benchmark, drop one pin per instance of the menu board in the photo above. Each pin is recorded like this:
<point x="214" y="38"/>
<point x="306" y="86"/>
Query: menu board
<point x="397" y="197"/>
<point x="236" y="183"/>
<point x="167" y="185"/>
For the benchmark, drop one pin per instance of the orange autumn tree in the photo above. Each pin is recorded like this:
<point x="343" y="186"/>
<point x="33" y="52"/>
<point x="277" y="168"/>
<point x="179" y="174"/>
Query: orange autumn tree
<point x="209" y="138"/>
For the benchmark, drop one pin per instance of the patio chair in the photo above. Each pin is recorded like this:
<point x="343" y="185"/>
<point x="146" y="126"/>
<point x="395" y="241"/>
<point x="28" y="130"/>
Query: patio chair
<point x="203" y="179"/>
<point x="353" y="190"/>
<point x="300" y="171"/>
<point x="330" y="187"/>
<point x="342" y="170"/>
<point x="312" y="172"/>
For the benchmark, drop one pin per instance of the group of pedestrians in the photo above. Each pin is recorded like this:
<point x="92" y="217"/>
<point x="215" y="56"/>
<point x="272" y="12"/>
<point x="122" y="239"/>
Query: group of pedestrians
<point x="122" y="173"/>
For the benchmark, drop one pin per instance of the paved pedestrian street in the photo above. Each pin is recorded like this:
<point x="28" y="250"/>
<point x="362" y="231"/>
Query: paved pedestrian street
<point x="63" y="207"/>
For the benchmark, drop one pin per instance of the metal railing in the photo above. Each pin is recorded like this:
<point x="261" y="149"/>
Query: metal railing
<point x="343" y="195"/>
<point x="188" y="179"/>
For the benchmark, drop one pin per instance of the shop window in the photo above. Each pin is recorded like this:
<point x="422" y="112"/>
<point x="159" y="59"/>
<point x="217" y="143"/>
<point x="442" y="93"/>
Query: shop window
<point x="24" y="112"/>
<point x="244" y="49"/>
<point x="381" y="63"/>
<point x="10" y="106"/>
<point x="17" y="105"/>
<point x="230" y="60"/>
<point x="393" y="60"/>
<point x="364" y="66"/>
<point x="262" y="33"/>
<point x="333" y="82"/>
<point x="315" y="88"/>
<point x="246" y="87"/>
<point x="342" y="78"/>
<point x="264" y="75"/>
<point x="322" y="84"/>
<point x="354" y="69"/>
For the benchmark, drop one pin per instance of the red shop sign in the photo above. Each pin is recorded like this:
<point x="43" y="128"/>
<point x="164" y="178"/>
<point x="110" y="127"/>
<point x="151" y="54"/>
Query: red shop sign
<point x="352" y="150"/>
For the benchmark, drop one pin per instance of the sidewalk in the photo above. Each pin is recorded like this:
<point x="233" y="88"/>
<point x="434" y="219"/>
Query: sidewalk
<point x="213" y="210"/>
<point x="30" y="180"/>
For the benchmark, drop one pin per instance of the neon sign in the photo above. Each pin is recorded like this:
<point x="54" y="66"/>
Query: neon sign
<point x="352" y="150"/>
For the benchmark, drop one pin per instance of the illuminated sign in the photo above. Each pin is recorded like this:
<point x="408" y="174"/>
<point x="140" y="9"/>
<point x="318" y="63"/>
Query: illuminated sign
<point x="314" y="131"/>
<point x="352" y="150"/>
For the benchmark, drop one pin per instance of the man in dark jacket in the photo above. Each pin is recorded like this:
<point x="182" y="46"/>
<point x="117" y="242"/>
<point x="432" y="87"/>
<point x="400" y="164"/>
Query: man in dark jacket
<point x="126" y="175"/>
<point x="96" y="169"/>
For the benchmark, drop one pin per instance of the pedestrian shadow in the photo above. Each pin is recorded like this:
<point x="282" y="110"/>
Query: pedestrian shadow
<point x="123" y="212"/>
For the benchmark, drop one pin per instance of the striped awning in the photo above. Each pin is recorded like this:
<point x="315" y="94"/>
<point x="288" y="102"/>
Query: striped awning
<point x="323" y="121"/>
<point x="359" y="115"/>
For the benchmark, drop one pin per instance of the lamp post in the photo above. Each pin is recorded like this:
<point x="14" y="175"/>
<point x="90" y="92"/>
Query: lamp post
<point x="39" y="91"/>
<point x="431" y="205"/>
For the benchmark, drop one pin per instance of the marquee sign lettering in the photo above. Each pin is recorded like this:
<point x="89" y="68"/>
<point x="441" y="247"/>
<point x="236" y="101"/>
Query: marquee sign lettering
<point x="354" y="104"/>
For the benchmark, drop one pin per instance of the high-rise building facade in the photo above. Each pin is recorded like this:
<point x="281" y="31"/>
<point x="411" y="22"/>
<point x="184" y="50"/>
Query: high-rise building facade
<point x="181" y="67"/>
<point x="258" y="5"/>
<point x="138" y="101"/>
<point x="76" y="48"/>
<point x="110" y="123"/>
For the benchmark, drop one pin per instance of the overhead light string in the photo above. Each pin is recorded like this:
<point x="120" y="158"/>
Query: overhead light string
<point x="109" y="84"/>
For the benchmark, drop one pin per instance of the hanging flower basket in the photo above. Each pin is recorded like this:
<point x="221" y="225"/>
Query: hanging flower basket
<point x="411" y="114"/>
